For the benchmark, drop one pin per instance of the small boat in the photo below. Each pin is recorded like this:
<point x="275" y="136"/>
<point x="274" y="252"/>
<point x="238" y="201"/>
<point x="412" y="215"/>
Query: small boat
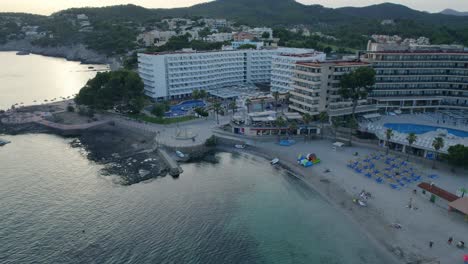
<point x="4" y="142"/>
<point x="22" y="53"/>
<point x="239" y="146"/>
<point x="274" y="161"/>
<point x="90" y="67"/>
<point x="180" y="154"/>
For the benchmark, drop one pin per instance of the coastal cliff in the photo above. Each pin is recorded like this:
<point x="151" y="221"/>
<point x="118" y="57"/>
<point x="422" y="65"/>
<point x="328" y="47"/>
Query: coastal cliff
<point x="77" y="52"/>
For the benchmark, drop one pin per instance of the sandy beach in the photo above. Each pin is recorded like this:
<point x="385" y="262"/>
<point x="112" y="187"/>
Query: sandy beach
<point x="410" y="244"/>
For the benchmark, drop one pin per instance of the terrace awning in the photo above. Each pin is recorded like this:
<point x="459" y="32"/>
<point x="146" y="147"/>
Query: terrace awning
<point x="370" y="116"/>
<point x="438" y="191"/>
<point x="460" y="205"/>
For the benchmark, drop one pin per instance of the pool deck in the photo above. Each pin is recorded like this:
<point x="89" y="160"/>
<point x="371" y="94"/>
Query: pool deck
<point x="424" y="141"/>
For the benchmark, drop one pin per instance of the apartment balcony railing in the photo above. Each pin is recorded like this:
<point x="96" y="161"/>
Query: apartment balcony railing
<point x="349" y="110"/>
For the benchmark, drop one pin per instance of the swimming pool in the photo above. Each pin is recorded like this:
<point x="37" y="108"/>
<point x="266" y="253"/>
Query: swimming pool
<point x="421" y="129"/>
<point x="182" y="108"/>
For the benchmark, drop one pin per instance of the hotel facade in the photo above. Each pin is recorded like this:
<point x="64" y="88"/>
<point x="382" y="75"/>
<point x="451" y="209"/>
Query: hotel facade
<point x="315" y="88"/>
<point x="283" y="67"/>
<point x="177" y="74"/>
<point x="419" y="78"/>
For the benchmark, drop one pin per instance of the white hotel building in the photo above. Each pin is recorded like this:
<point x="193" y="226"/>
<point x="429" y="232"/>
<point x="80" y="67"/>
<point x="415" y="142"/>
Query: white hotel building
<point x="283" y="67"/>
<point x="177" y="74"/>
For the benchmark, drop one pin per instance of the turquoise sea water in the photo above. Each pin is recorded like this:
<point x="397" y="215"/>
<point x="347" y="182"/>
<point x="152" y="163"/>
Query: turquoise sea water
<point x="57" y="208"/>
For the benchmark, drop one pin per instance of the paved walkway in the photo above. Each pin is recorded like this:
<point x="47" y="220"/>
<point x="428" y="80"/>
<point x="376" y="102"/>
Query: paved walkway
<point x="201" y="129"/>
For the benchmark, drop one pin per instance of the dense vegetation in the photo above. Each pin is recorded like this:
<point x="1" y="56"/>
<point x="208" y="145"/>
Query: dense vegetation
<point x="123" y="89"/>
<point x="116" y="27"/>
<point x="182" y="42"/>
<point x="458" y="156"/>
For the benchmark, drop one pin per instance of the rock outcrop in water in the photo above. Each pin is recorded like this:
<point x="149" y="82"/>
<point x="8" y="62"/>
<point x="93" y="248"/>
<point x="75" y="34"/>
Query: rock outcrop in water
<point x="77" y="52"/>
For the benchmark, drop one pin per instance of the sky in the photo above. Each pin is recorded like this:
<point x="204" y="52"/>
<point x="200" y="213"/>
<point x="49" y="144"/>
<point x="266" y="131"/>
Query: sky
<point x="46" y="7"/>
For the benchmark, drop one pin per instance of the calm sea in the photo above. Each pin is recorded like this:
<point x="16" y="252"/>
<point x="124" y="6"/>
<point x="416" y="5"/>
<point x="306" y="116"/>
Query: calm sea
<point x="25" y="79"/>
<point x="56" y="207"/>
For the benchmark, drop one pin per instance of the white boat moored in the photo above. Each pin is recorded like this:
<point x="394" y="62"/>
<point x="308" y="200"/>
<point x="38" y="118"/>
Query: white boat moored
<point x="274" y="161"/>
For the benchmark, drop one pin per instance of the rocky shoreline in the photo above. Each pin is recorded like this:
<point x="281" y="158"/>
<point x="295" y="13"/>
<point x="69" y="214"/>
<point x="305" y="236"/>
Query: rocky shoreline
<point x="76" y="52"/>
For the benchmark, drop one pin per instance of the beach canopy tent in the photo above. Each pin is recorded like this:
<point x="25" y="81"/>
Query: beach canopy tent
<point x="372" y="116"/>
<point x="450" y="197"/>
<point x="460" y="205"/>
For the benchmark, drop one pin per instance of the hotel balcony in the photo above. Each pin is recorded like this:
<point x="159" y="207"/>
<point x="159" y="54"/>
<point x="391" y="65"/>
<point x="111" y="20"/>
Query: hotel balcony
<point x="349" y="110"/>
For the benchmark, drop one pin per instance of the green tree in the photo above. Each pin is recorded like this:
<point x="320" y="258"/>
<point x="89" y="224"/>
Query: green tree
<point x="248" y="103"/>
<point x="293" y="127"/>
<point x="356" y="86"/>
<point x="233" y="106"/>
<point x="203" y="94"/>
<point x="196" y="94"/>
<point x="217" y="108"/>
<point x="136" y="104"/>
<point x="411" y="139"/>
<point x="286" y="100"/>
<point x="266" y="35"/>
<point x="201" y="112"/>
<point x="437" y="144"/>
<point x="328" y="50"/>
<point x="280" y="122"/>
<point x="388" y="136"/>
<point x="109" y="89"/>
<point x="158" y="110"/>
<point x="307" y="119"/>
<point x="323" y="118"/>
<point x="247" y="46"/>
<point x="276" y="96"/>
<point x="458" y="155"/>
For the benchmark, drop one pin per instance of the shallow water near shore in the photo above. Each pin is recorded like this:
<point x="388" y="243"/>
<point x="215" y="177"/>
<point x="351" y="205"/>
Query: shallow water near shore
<point x="58" y="208"/>
<point x="37" y="78"/>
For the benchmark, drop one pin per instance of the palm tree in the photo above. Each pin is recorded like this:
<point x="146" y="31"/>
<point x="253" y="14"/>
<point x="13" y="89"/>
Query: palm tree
<point x="233" y="106"/>
<point x="202" y="94"/>
<point x="276" y="96"/>
<point x="280" y="122"/>
<point x="411" y="139"/>
<point x="286" y="100"/>
<point x="293" y="127"/>
<point x="248" y="103"/>
<point x="357" y="85"/>
<point x="463" y="190"/>
<point x="335" y="124"/>
<point x="262" y="102"/>
<point x="437" y="144"/>
<point x="307" y="118"/>
<point x="388" y="135"/>
<point x="217" y="108"/>
<point x="196" y="94"/>
<point x="323" y="117"/>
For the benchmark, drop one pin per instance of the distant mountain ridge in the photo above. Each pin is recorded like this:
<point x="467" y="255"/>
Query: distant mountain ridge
<point x="115" y="26"/>
<point x="452" y="12"/>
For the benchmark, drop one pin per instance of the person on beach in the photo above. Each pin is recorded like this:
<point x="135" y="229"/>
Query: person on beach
<point x="450" y="240"/>
<point x="431" y="243"/>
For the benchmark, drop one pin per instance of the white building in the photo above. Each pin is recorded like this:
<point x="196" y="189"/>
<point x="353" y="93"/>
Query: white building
<point x="283" y="67"/>
<point x="177" y="74"/>
<point x="156" y="37"/>
<point x="219" y="37"/>
<point x="258" y="32"/>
